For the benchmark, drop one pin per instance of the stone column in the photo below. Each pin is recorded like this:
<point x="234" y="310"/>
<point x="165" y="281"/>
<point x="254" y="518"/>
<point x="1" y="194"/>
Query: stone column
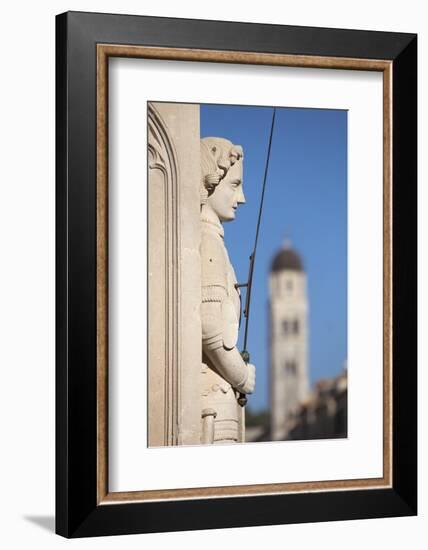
<point x="174" y="280"/>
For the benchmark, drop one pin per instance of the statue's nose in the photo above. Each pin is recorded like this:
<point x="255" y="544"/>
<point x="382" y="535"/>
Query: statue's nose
<point x="241" y="197"/>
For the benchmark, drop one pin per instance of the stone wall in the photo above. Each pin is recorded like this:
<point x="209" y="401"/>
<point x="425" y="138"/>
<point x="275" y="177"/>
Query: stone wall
<point x="174" y="342"/>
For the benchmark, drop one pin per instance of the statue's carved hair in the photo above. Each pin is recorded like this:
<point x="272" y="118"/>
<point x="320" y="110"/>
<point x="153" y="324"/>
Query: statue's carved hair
<point x="217" y="156"/>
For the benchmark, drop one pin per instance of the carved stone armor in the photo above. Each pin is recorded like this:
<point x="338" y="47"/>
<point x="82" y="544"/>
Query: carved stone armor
<point x="224" y="372"/>
<point x="219" y="399"/>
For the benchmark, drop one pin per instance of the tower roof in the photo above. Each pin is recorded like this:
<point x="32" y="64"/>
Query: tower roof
<point x="287" y="259"/>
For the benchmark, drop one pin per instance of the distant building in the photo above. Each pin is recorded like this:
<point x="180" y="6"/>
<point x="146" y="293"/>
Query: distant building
<point x="324" y="415"/>
<point x="295" y="412"/>
<point x="288" y="305"/>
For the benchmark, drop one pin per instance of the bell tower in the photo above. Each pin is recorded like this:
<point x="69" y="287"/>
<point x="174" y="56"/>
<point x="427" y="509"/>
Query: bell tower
<point x="289" y="384"/>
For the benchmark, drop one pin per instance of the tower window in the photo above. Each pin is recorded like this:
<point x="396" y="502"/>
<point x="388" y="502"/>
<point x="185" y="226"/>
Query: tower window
<point x="290" y="367"/>
<point x="289" y="285"/>
<point x="290" y="327"/>
<point x="286" y="326"/>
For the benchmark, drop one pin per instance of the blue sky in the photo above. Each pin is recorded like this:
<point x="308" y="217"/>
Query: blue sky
<point x="305" y="202"/>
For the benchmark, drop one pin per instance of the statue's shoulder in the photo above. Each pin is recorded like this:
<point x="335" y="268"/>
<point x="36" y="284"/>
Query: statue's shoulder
<point x="211" y="242"/>
<point x="213" y="259"/>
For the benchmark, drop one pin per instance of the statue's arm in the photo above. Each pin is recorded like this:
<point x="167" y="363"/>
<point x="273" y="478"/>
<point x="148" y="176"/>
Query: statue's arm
<point x="227" y="361"/>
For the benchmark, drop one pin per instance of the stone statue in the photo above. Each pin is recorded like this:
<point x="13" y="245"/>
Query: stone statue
<point x="224" y="372"/>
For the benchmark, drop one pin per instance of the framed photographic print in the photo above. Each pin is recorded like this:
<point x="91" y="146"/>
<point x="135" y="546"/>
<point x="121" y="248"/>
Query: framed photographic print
<point x="236" y="274"/>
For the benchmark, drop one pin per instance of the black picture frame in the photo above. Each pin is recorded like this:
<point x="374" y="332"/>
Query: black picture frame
<point x="78" y="512"/>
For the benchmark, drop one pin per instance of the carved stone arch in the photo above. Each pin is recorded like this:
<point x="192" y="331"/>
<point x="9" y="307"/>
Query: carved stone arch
<point x="163" y="283"/>
<point x="173" y="178"/>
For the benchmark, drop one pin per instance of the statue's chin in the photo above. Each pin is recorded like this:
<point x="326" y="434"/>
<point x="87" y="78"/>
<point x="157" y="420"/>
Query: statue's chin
<point x="230" y="217"/>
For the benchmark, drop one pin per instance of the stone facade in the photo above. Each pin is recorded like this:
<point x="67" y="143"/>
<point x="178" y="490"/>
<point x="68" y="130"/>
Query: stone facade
<point x="174" y="274"/>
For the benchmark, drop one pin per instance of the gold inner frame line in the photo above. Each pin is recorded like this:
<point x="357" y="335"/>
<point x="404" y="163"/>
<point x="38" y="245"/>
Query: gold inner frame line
<point x="104" y="51"/>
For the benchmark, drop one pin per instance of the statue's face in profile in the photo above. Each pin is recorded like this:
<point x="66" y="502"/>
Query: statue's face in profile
<point x="228" y="194"/>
